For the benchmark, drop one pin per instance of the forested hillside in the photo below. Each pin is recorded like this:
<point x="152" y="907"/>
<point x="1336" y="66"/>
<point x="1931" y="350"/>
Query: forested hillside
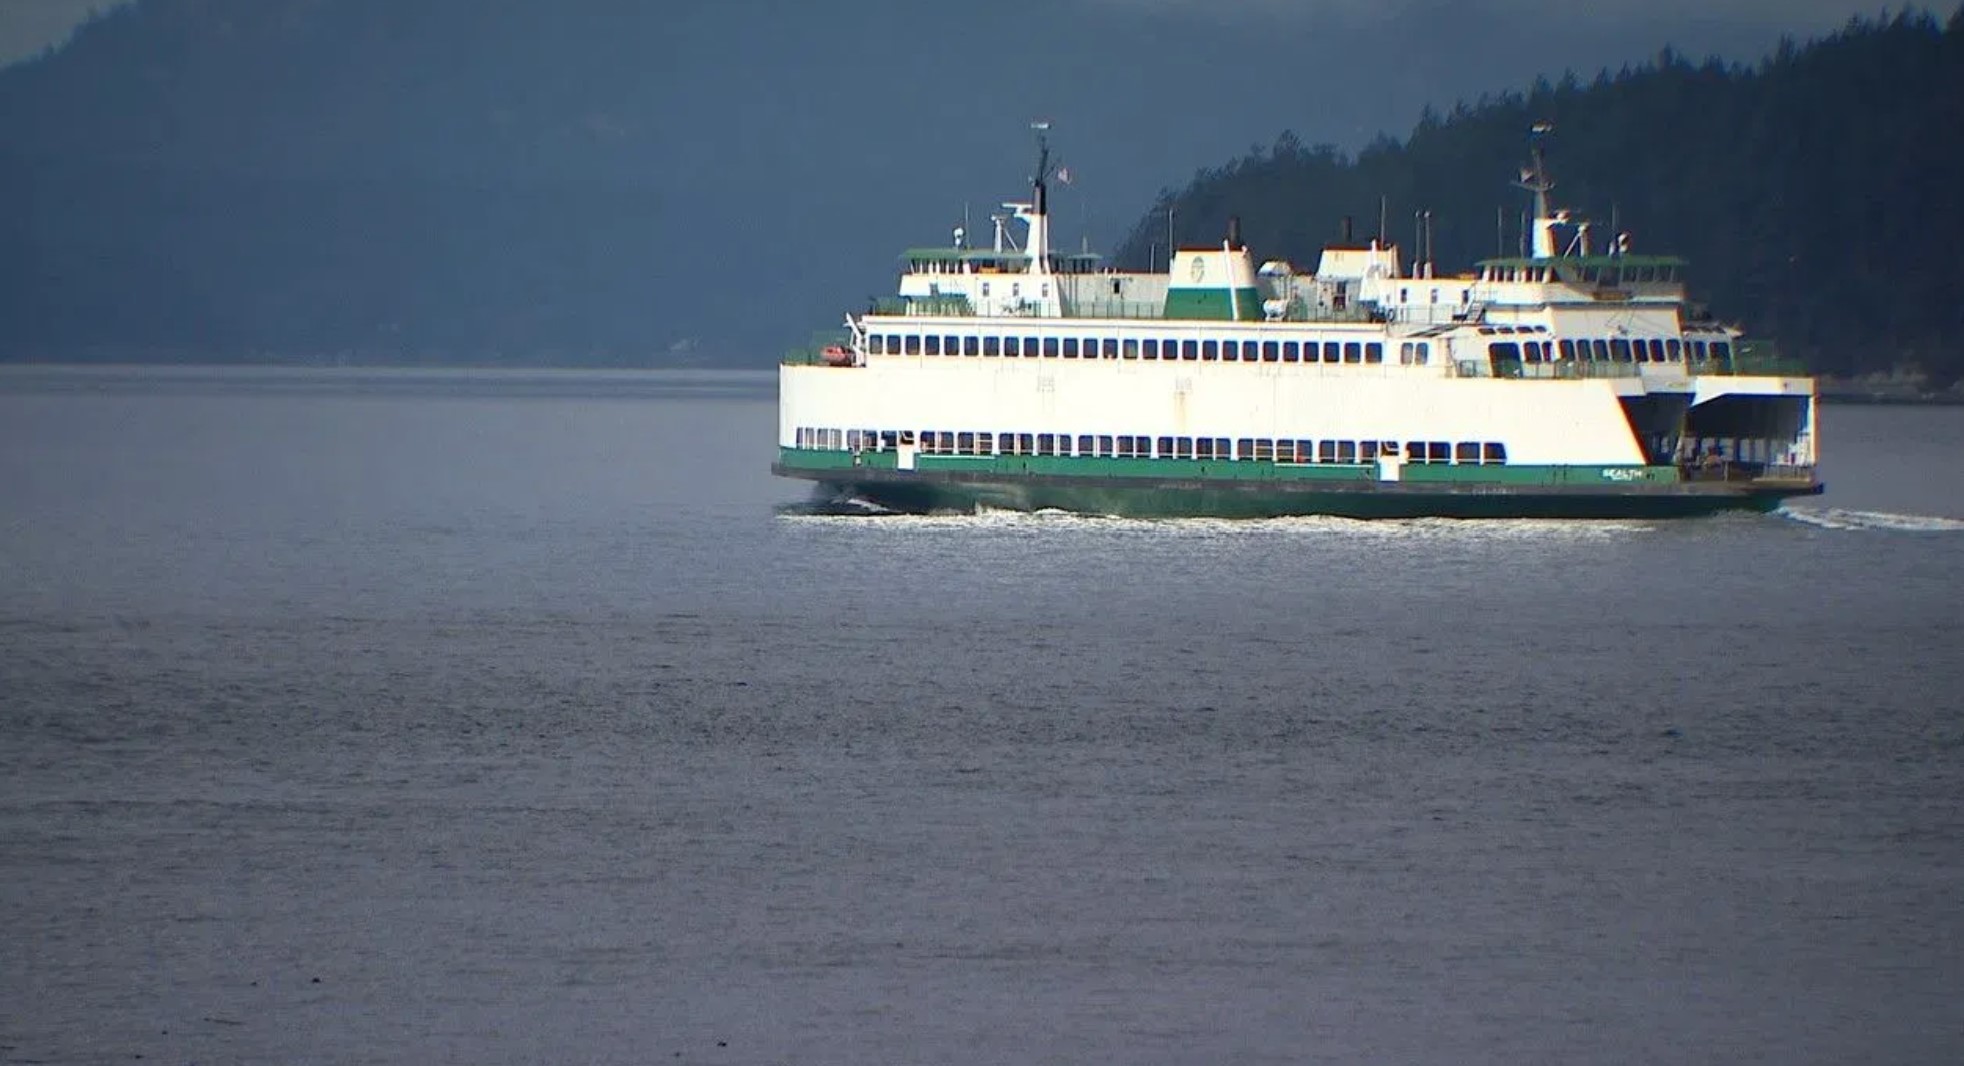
<point x="622" y="182"/>
<point x="1819" y="195"/>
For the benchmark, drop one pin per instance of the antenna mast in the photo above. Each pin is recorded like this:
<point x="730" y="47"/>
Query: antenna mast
<point x="1535" y="180"/>
<point x="1036" y="214"/>
<point x="1043" y="167"/>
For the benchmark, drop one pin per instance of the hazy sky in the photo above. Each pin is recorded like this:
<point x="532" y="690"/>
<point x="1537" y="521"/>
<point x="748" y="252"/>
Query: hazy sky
<point x="27" y="26"/>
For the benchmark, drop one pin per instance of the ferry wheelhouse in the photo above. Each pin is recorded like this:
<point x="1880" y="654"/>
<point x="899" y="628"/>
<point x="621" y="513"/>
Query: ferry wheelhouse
<point x="1570" y="382"/>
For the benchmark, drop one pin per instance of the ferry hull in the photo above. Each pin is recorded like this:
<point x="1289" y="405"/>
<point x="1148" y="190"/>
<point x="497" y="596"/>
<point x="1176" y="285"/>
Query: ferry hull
<point x="930" y="491"/>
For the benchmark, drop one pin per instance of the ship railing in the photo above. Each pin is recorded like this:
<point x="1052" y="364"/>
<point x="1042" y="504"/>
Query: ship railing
<point x="1787" y="472"/>
<point x="1561" y="370"/>
<point x="1739" y="470"/>
<point x="946" y="306"/>
<point x="1591" y="369"/>
<point x="1133" y="309"/>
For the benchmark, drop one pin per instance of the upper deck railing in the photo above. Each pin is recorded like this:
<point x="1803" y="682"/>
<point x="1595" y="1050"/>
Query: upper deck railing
<point x="1121" y="310"/>
<point x="1579" y="370"/>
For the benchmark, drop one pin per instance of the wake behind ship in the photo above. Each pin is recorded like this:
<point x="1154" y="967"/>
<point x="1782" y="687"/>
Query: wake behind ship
<point x="1569" y="382"/>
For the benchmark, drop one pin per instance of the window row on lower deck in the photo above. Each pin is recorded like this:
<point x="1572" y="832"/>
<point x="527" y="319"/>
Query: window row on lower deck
<point x="1612" y="350"/>
<point x="1229" y="350"/>
<point x="1146" y="446"/>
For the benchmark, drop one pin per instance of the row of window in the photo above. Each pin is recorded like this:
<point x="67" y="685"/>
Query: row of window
<point x="1134" y="446"/>
<point x="1617" y="350"/>
<point x="1213" y="350"/>
<point x="1592" y="274"/>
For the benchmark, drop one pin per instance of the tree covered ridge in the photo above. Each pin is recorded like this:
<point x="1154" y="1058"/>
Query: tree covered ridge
<point x="1818" y="194"/>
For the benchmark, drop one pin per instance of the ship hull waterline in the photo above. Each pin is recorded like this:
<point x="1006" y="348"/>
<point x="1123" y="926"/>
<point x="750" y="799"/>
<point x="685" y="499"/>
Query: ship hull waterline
<point x="925" y="492"/>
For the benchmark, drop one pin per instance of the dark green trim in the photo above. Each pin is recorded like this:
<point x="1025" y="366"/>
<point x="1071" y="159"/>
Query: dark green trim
<point x="949" y="487"/>
<point x="1222" y="470"/>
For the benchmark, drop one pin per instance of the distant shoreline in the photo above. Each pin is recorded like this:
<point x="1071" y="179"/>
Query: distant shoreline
<point x="1851" y="399"/>
<point x="1839" y="393"/>
<point x="139" y="360"/>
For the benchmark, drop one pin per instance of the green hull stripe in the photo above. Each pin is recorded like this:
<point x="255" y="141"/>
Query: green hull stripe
<point x="1340" y="491"/>
<point x="1230" y="471"/>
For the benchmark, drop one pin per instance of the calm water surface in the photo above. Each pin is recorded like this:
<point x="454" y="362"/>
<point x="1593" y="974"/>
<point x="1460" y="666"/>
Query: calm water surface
<point x="405" y="717"/>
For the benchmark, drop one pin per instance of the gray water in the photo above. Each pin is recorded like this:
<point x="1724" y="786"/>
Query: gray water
<point x="523" y="718"/>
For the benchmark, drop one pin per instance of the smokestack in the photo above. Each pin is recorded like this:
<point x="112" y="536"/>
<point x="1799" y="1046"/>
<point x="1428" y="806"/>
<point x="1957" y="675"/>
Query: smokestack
<point x="1234" y="231"/>
<point x="1349" y="224"/>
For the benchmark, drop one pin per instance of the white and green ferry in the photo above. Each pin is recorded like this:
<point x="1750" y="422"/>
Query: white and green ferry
<point x="1570" y="382"/>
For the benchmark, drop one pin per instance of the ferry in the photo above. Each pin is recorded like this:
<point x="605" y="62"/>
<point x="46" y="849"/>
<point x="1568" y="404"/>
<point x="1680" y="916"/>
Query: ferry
<point x="1568" y="382"/>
